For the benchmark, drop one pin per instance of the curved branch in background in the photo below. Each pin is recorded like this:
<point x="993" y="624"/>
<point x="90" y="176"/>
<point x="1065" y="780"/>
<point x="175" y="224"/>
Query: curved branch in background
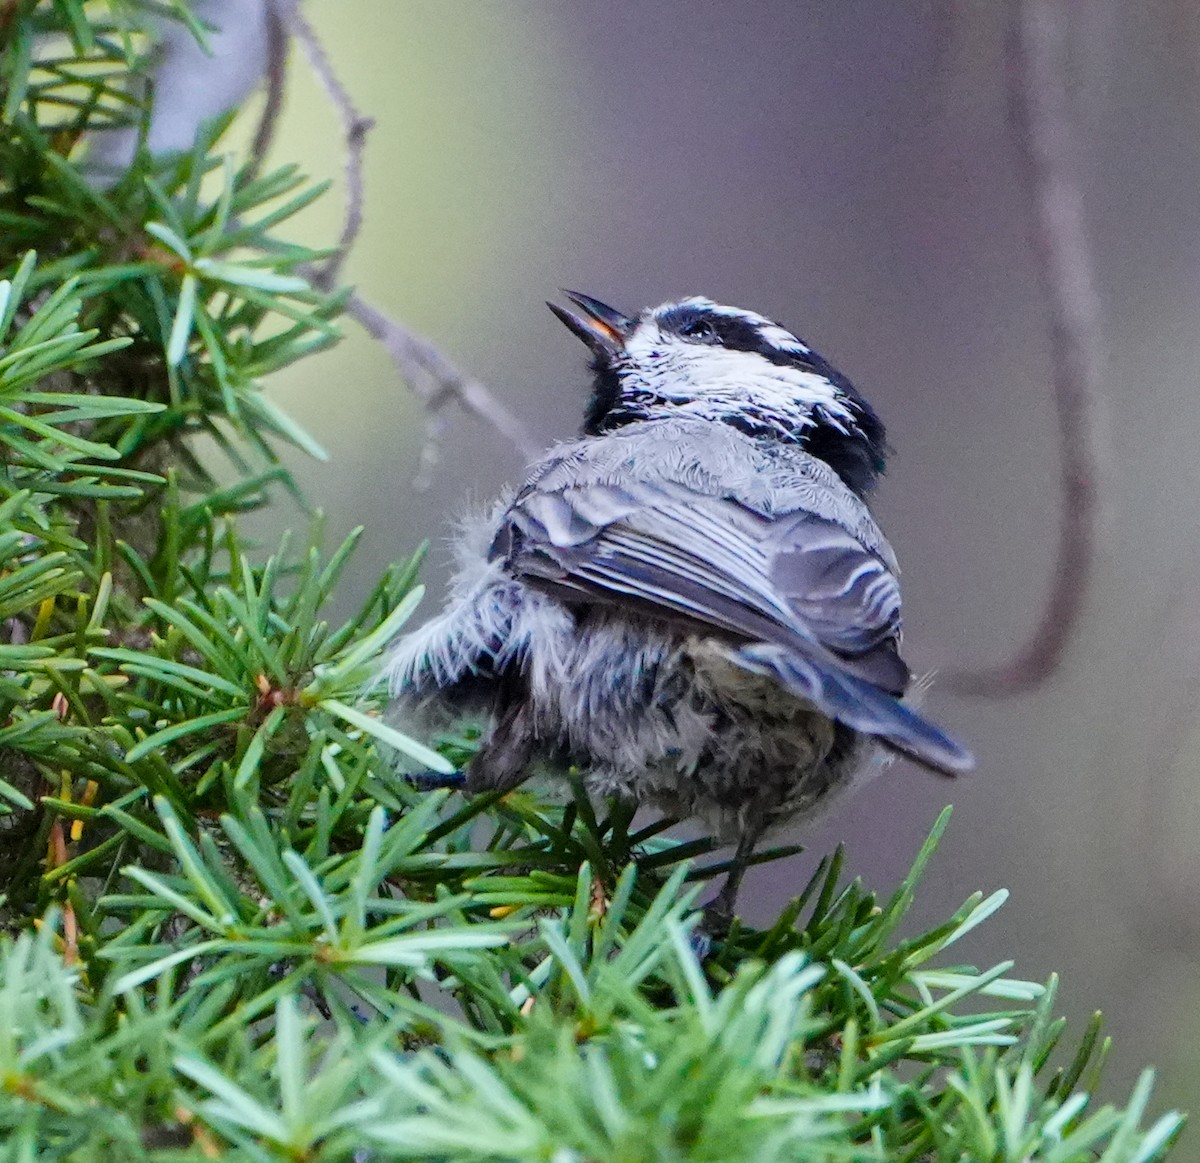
<point x="355" y="127"/>
<point x="436" y="382"/>
<point x="1041" y="117"/>
<point x="277" y="44"/>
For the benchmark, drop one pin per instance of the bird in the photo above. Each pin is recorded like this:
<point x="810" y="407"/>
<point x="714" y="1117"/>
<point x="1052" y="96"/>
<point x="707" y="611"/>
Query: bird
<point x="691" y="603"/>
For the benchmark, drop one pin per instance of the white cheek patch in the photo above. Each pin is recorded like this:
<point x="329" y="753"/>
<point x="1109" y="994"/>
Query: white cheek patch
<point x="713" y="382"/>
<point x="821" y="396"/>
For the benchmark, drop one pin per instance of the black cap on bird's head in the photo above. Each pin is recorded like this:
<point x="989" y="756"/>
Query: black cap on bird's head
<point x="698" y="358"/>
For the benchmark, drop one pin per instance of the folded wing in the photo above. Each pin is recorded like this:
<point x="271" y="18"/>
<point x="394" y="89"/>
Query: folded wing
<point x="798" y="596"/>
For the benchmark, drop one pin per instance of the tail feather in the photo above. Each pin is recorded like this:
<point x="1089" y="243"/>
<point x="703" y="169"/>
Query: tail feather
<point x="859" y="704"/>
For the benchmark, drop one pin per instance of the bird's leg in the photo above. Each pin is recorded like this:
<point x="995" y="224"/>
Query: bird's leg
<point x="503" y="761"/>
<point x="722" y="907"/>
<point x="428" y="780"/>
<point x="718" y="916"/>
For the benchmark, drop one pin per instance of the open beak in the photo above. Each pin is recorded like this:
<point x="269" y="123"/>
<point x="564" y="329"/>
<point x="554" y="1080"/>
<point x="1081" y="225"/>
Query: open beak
<point x="603" y="329"/>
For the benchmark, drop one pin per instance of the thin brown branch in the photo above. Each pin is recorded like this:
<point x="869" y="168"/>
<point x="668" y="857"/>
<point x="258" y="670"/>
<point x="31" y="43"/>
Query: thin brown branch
<point x="436" y="382"/>
<point x="355" y="127"/>
<point x="278" y="43"/>
<point x="1042" y="122"/>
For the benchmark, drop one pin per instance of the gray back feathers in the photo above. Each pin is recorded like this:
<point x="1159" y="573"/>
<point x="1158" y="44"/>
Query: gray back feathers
<point x="753" y="544"/>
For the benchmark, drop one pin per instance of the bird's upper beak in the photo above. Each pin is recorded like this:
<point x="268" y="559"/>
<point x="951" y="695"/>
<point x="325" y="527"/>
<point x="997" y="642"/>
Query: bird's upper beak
<point x="601" y="327"/>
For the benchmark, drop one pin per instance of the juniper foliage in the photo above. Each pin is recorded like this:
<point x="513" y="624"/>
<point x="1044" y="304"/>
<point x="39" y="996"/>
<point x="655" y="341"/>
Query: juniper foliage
<point x="229" y="929"/>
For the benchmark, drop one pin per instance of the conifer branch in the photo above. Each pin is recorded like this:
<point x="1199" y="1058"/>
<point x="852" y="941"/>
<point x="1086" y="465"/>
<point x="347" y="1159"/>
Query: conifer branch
<point x="207" y="840"/>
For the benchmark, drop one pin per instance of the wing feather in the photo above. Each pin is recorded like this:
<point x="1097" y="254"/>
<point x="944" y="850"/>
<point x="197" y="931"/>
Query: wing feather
<point x="799" y="579"/>
<point x="809" y="597"/>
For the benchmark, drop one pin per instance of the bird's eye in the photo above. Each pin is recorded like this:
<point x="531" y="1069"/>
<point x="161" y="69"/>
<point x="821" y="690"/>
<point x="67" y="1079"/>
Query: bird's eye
<point x="701" y="330"/>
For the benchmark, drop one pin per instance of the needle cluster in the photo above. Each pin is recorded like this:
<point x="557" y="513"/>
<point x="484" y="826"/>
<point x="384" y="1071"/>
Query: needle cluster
<point x="227" y="929"/>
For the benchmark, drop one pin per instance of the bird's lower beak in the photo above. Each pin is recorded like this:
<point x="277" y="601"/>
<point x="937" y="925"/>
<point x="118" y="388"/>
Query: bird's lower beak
<point x="601" y="327"/>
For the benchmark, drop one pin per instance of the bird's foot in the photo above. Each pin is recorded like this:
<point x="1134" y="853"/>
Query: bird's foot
<point x="715" y="923"/>
<point x="700" y="943"/>
<point x="428" y="780"/>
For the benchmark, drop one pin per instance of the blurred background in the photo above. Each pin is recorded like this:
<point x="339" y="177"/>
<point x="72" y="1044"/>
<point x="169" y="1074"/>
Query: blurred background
<point x="850" y="170"/>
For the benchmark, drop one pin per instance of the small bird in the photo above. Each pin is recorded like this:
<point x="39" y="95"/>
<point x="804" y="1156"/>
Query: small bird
<point x="691" y="602"/>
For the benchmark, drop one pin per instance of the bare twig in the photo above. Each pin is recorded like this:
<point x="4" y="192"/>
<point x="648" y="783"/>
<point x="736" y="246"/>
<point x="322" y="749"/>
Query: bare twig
<point x="436" y="382"/>
<point x="1040" y="112"/>
<point x="355" y="127"/>
<point x="430" y="374"/>
<point x="278" y="43"/>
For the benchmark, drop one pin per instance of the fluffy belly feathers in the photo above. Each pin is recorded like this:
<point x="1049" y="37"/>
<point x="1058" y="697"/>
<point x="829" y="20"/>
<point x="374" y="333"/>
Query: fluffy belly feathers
<point x="642" y="704"/>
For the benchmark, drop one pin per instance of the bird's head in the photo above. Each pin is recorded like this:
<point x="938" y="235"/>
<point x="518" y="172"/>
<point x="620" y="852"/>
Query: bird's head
<point x="698" y="358"/>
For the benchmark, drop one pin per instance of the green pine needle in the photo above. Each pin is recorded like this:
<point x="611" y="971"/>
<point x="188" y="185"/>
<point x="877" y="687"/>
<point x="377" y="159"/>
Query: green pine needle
<point x="229" y="927"/>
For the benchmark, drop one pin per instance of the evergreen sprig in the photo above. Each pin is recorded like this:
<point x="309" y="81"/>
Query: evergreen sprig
<point x="231" y="929"/>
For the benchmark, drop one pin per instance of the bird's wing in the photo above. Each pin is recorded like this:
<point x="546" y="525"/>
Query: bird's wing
<point x="798" y="595"/>
<point x="712" y="561"/>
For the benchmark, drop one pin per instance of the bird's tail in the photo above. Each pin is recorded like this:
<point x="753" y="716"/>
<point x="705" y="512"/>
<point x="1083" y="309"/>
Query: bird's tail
<point x="858" y="704"/>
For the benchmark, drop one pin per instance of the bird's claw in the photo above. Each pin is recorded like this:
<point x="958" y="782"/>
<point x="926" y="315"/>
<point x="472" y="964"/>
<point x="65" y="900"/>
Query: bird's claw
<point x="713" y="928"/>
<point x="429" y="780"/>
